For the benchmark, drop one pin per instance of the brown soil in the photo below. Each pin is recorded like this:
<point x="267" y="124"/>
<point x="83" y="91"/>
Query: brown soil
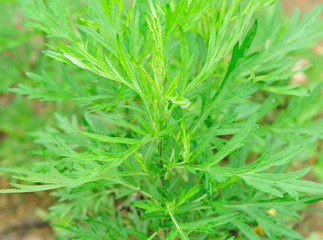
<point x="312" y="221"/>
<point x="303" y="5"/>
<point x="19" y="220"/>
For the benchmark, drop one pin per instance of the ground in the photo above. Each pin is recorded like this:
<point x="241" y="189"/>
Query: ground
<point x="21" y="216"/>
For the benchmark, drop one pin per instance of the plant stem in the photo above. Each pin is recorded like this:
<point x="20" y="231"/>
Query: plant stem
<point x="159" y="124"/>
<point x="181" y="233"/>
<point x="160" y="152"/>
<point x="152" y="236"/>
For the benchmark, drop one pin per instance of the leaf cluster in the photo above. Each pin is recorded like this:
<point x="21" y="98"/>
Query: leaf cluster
<point x="177" y="138"/>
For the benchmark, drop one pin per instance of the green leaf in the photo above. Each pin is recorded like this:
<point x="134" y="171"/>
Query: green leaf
<point x="172" y="234"/>
<point x="107" y="139"/>
<point x="210" y="222"/>
<point x="245" y="229"/>
<point x="288" y="182"/>
<point x="287" y="90"/>
<point x="190" y="193"/>
<point x="232" y="144"/>
<point x="129" y="125"/>
<point x="186" y="60"/>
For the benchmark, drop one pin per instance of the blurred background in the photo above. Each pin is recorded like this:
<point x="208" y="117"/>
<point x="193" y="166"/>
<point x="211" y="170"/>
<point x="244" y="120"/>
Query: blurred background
<point x="21" y="215"/>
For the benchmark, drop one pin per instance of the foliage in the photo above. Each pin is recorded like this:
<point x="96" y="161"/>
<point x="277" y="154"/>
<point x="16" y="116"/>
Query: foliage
<point x="190" y="119"/>
<point x="21" y="52"/>
<point x="18" y="53"/>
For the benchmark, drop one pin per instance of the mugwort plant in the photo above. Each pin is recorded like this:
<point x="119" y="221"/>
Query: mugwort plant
<point x="187" y="124"/>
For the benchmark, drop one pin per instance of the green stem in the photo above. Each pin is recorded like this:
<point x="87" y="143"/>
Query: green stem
<point x="152" y="236"/>
<point x="160" y="152"/>
<point x="134" y="188"/>
<point x="181" y="233"/>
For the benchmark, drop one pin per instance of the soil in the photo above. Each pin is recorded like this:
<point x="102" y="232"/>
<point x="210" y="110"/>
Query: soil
<point x="303" y="5"/>
<point x="312" y="221"/>
<point x="19" y="218"/>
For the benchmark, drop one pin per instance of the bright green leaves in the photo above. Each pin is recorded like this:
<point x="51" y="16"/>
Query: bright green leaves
<point x="158" y="61"/>
<point x="130" y="126"/>
<point x="186" y="14"/>
<point x="52" y="180"/>
<point x="233" y="144"/>
<point x="52" y="17"/>
<point x="209" y="223"/>
<point x="151" y="208"/>
<point x="247" y="231"/>
<point x="254" y="175"/>
<point x="51" y="90"/>
<point x="216" y="50"/>
<point x="22" y="188"/>
<point x="101" y="11"/>
<point x="287" y="90"/>
<point x="108" y="139"/>
<point x="135" y="38"/>
<point x="238" y="64"/>
<point x="187" y="195"/>
<point x="295" y="35"/>
<point x="265" y="213"/>
<point x="287" y="182"/>
<point x="186" y="59"/>
<point x="182" y="126"/>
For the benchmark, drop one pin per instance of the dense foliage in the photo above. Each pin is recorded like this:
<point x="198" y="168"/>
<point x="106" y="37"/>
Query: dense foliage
<point x="188" y="118"/>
